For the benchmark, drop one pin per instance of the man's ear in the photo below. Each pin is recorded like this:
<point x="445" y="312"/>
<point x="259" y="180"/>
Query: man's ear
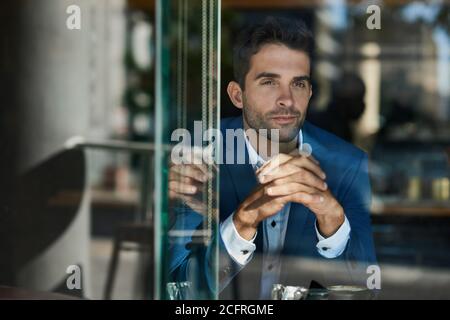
<point x="235" y="93"/>
<point x="310" y="92"/>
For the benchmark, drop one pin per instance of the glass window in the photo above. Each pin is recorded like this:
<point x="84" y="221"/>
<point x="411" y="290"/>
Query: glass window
<point x="118" y="177"/>
<point x="187" y="109"/>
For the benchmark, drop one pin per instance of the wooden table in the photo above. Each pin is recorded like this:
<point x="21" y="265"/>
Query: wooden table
<point x="419" y="208"/>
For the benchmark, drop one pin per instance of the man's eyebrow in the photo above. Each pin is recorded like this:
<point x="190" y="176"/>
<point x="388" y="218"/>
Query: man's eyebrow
<point x="267" y="75"/>
<point x="275" y="75"/>
<point x="300" y="78"/>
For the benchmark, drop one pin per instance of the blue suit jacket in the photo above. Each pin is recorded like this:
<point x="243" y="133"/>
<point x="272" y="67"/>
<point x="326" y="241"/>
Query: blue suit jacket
<point x="347" y="177"/>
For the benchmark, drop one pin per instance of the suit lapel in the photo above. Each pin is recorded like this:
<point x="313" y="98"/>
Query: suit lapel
<point x="318" y="150"/>
<point x="242" y="175"/>
<point x="244" y="181"/>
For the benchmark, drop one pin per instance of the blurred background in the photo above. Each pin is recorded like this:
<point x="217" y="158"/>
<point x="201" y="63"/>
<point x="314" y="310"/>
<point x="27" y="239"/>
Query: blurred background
<point x="79" y="128"/>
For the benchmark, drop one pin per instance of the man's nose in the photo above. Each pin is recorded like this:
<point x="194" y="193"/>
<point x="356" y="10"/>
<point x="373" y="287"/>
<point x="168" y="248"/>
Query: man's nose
<point x="285" y="98"/>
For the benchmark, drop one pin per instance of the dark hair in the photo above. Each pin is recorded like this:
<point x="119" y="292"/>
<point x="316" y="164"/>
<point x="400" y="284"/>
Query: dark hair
<point x="292" y="33"/>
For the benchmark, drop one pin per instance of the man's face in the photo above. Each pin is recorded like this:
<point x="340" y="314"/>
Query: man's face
<point x="277" y="90"/>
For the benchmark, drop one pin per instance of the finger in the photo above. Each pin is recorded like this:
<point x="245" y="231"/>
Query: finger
<point x="296" y="176"/>
<point x="301" y="162"/>
<point x="299" y="175"/>
<point x="265" y="205"/>
<point x="257" y="193"/>
<point x="310" y="164"/>
<point x="205" y="169"/>
<point x="188" y="181"/>
<point x="296" y="152"/>
<point x="182" y="188"/>
<point x="277" y="173"/>
<point x="272" y="207"/>
<point x="288" y="188"/>
<point x="256" y="199"/>
<point x="197" y="157"/>
<point x="310" y="179"/>
<point x="196" y="161"/>
<point x="304" y="198"/>
<point x="175" y="176"/>
<point x="191" y="171"/>
<point x="278" y="160"/>
<point x="202" y="167"/>
<point x="302" y="176"/>
<point x="314" y="159"/>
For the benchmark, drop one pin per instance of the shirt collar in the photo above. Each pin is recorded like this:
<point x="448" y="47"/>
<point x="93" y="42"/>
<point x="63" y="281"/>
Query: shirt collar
<point x="256" y="159"/>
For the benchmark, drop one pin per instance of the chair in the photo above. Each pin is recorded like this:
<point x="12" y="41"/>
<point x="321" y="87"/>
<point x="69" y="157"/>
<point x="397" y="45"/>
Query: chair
<point x="130" y="237"/>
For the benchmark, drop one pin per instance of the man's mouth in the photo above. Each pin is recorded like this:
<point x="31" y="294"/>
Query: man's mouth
<point x="284" y="119"/>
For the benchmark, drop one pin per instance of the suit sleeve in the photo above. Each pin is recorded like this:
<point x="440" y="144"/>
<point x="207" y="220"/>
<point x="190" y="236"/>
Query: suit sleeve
<point x="195" y="262"/>
<point x="359" y="252"/>
<point x="356" y="203"/>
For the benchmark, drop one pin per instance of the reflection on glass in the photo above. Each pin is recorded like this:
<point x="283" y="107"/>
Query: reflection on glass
<point x="187" y="106"/>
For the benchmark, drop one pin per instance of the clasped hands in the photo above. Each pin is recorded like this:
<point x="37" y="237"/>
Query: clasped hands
<point x="285" y="178"/>
<point x="289" y="178"/>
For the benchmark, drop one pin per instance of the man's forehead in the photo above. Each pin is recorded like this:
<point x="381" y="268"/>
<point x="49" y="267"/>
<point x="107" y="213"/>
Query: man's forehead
<point x="279" y="59"/>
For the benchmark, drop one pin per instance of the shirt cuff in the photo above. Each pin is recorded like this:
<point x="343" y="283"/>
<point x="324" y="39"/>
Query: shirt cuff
<point x="332" y="247"/>
<point x="238" y="248"/>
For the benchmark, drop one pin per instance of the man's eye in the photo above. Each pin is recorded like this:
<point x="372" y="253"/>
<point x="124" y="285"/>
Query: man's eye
<point x="300" y="84"/>
<point x="268" y="82"/>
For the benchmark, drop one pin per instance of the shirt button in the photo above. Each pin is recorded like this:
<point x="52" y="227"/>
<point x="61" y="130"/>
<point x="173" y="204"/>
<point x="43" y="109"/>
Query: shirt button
<point x="273" y="224"/>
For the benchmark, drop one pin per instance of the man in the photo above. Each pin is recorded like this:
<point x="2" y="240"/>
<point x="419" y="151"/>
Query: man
<point x="294" y="204"/>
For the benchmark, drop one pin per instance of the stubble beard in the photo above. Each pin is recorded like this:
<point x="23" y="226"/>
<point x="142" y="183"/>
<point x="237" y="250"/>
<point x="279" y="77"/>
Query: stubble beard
<point x="257" y="122"/>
